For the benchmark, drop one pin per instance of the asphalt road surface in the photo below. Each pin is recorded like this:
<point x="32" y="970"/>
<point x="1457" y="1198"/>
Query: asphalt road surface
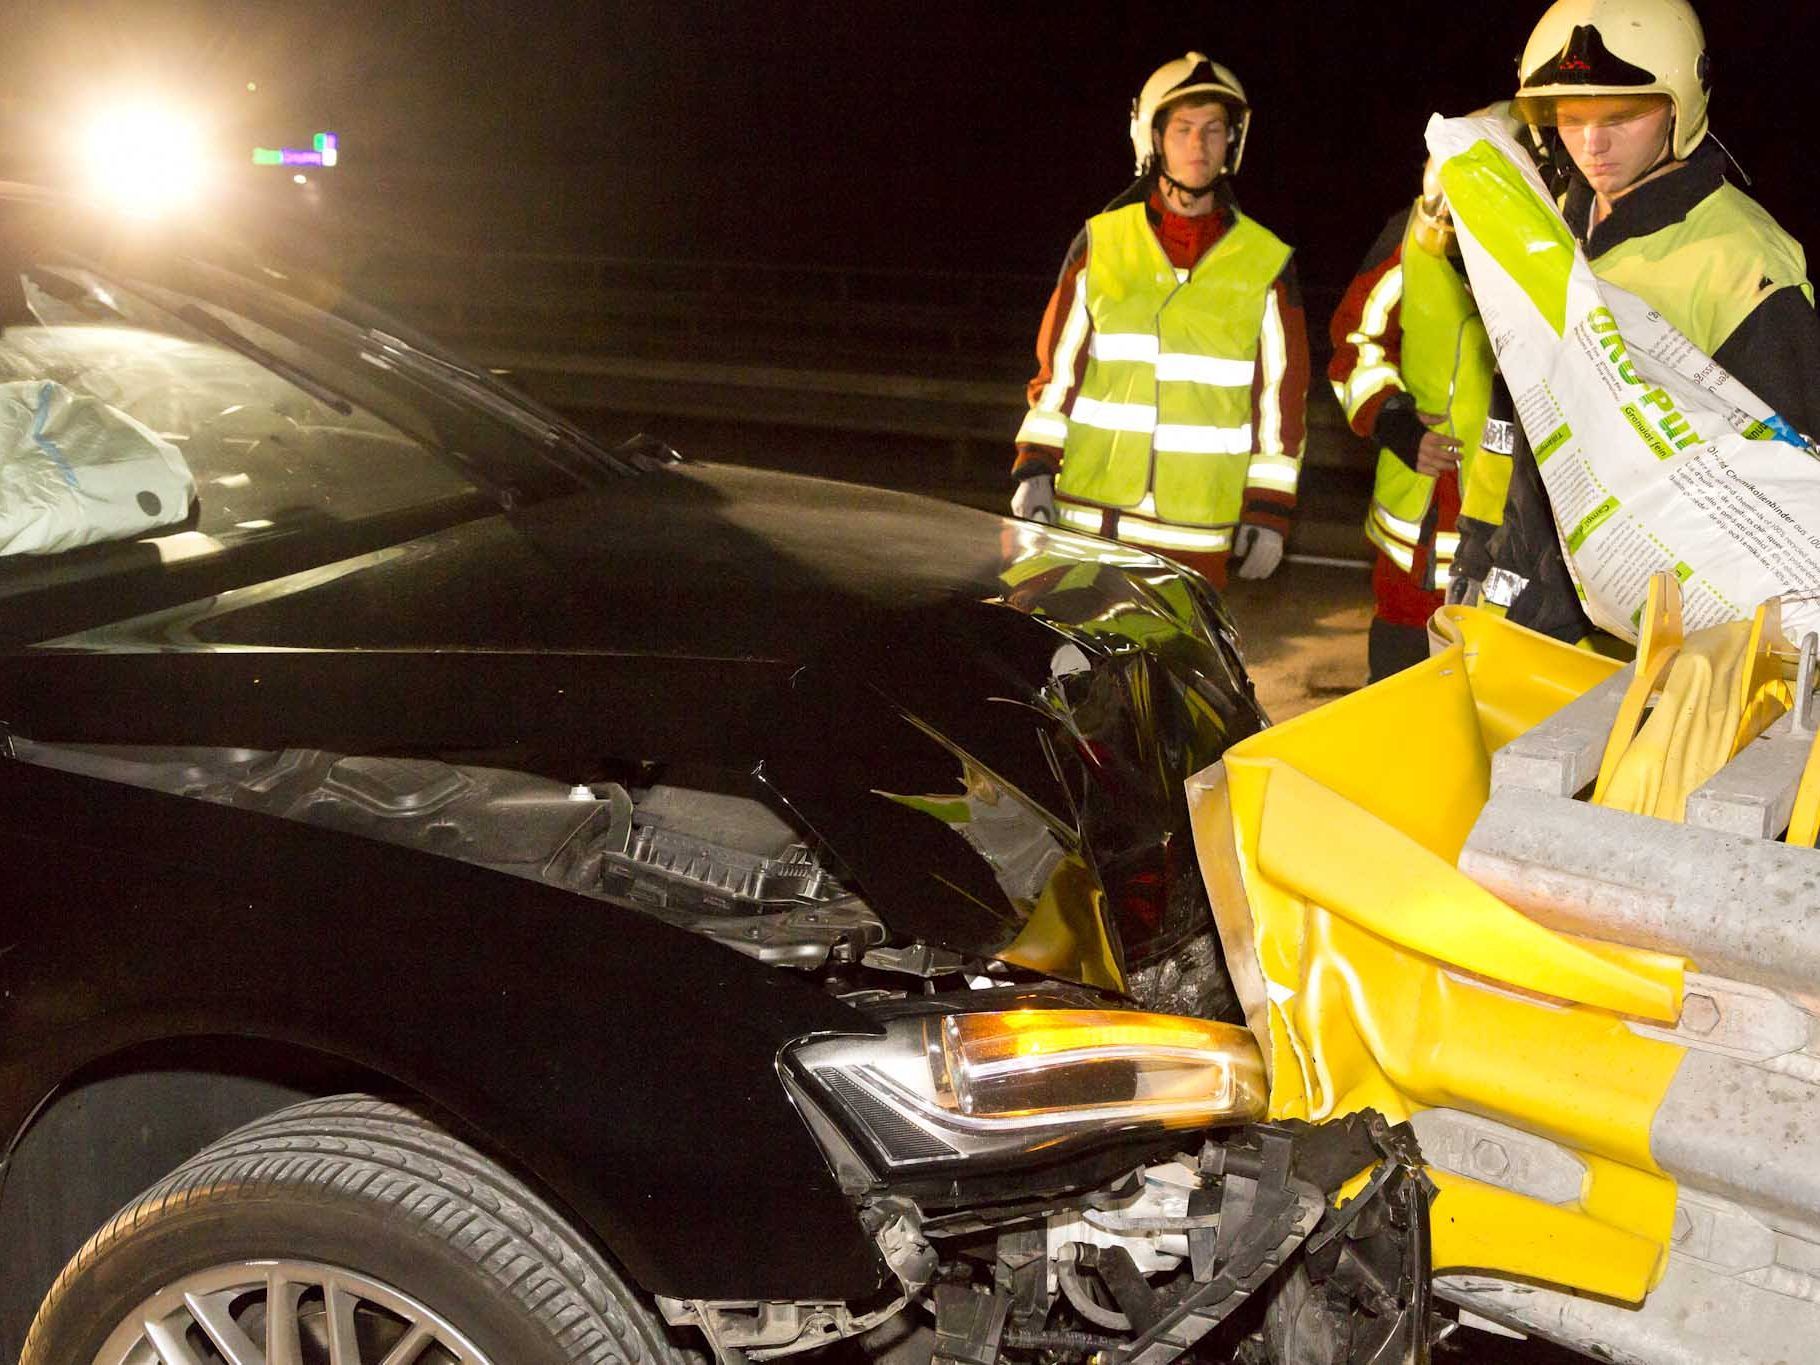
<point x="1303" y="633"/>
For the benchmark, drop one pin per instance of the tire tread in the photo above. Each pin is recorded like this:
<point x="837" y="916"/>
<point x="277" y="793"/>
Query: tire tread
<point x="355" y="1149"/>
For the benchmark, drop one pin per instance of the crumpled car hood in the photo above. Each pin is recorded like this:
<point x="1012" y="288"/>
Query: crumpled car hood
<point x="985" y="721"/>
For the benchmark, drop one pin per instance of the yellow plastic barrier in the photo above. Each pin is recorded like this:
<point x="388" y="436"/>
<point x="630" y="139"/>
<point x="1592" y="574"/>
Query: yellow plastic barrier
<point x="1519" y="678"/>
<point x="1394" y="982"/>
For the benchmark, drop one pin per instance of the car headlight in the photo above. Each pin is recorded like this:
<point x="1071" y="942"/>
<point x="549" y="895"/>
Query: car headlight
<point x="940" y="1087"/>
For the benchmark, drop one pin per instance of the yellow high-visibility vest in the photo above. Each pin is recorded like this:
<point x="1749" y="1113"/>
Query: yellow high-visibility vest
<point x="1162" y="422"/>
<point x="1448" y="367"/>
<point x="1709" y="271"/>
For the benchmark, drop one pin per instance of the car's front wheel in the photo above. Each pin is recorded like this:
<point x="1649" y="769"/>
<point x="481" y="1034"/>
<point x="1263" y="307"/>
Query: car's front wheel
<point x="344" y="1231"/>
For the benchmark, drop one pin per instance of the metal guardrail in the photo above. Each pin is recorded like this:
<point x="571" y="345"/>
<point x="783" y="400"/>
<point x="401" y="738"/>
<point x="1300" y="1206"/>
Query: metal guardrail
<point x="986" y="320"/>
<point x="845" y="317"/>
<point x="844" y="284"/>
<point x="942" y="355"/>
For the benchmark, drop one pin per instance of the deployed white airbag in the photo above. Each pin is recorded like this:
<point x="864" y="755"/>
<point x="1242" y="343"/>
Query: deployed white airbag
<point x="75" y="470"/>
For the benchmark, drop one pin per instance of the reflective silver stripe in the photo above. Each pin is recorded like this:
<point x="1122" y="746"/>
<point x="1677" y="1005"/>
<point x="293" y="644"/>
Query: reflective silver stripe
<point x="1364" y="383"/>
<point x="1171" y="437"/>
<point x="1273" y="357"/>
<point x="1198" y="440"/>
<point x="1272" y="471"/>
<point x="1041" y="428"/>
<point x="1500" y="437"/>
<point x="1384" y="296"/>
<point x="1139" y="346"/>
<point x="1447" y="545"/>
<point x="1373" y="372"/>
<point x="1133" y="529"/>
<point x="1092" y="412"/>
<point x="1408" y="530"/>
<point x="1400" y="555"/>
<point x="1503" y="587"/>
<point x="1088" y="519"/>
<point x="1163" y="536"/>
<point x="1401" y="549"/>
<point x="1215" y="371"/>
<point x="1045" y="424"/>
<point x="1067" y="349"/>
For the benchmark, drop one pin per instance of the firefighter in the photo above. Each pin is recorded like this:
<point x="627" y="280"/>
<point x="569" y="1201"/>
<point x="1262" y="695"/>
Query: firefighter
<point x="1414" y="372"/>
<point x="1620" y="87"/>
<point x="1167" y="409"/>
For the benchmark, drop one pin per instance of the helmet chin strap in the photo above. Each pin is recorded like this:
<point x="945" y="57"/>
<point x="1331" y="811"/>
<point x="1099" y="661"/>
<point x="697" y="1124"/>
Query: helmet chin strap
<point x="1185" y="190"/>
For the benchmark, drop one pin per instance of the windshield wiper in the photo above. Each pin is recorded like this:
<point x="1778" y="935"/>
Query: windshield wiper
<point x="216" y="330"/>
<point x="487" y="392"/>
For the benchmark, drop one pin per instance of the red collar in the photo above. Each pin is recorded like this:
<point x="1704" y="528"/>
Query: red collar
<point x="1186" y="240"/>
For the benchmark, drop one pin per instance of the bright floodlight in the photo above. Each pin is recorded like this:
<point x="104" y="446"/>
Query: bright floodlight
<point x="146" y="159"/>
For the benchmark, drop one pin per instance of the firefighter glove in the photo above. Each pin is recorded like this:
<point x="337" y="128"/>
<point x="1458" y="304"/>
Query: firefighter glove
<point x="1260" y="550"/>
<point x="1035" y="498"/>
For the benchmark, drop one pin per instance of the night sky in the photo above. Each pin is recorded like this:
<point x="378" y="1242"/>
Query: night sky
<point x="975" y="136"/>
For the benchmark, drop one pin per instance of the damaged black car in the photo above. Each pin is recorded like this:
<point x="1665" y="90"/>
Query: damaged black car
<point x="481" y="895"/>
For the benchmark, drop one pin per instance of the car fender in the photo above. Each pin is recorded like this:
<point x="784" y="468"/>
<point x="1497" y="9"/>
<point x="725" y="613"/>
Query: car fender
<point x="628" y="1066"/>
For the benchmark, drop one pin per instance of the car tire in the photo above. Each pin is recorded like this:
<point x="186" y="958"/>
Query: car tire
<point x="346" y="1210"/>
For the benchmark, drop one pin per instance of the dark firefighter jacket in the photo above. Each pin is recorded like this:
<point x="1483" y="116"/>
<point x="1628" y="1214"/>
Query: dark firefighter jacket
<point x="1774" y="351"/>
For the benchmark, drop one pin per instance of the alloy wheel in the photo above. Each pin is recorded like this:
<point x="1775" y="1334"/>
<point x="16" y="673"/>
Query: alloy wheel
<point x="285" y="1313"/>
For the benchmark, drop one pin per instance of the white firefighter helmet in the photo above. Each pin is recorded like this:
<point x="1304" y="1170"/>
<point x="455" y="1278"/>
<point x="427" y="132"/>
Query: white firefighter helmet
<point x="1193" y="74"/>
<point x="1618" y="47"/>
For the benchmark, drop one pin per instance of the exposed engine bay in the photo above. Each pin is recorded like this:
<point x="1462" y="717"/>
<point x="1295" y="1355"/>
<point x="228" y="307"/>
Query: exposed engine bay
<point x="1160" y="1261"/>
<point x="721" y="866"/>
